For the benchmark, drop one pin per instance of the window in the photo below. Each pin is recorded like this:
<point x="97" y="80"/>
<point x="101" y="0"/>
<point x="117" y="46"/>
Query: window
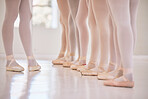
<point x="45" y="14"/>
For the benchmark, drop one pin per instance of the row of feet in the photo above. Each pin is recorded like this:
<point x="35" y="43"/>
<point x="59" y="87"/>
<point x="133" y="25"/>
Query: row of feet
<point x="113" y="77"/>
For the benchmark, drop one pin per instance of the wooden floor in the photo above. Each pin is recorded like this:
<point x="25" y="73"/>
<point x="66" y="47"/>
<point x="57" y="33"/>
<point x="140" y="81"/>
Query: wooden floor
<point x="56" y="82"/>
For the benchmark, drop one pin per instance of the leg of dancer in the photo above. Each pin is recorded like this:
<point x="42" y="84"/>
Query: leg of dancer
<point x="133" y="15"/>
<point x="63" y="45"/>
<point x="102" y="20"/>
<point x="94" y="41"/>
<point x="83" y="31"/>
<point x="125" y="41"/>
<point x="64" y="12"/>
<point x="114" y="66"/>
<point x="74" y="34"/>
<point x="12" y="10"/>
<point x="25" y="33"/>
<point x="112" y="63"/>
<point x="63" y="41"/>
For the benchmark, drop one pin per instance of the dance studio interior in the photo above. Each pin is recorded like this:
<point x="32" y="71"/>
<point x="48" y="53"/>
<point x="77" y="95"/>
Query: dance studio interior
<point x="73" y="49"/>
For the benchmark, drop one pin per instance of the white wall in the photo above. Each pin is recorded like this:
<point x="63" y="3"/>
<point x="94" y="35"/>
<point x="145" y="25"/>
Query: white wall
<point x="142" y="26"/>
<point x="47" y="41"/>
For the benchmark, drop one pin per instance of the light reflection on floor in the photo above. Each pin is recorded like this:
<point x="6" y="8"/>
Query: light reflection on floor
<point x="56" y="82"/>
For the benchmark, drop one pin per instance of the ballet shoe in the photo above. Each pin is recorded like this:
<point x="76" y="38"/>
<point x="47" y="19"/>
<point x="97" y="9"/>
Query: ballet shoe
<point x="101" y="70"/>
<point x="69" y="61"/>
<point x="16" y="68"/>
<point x="67" y="64"/>
<point x="33" y="68"/>
<point x="89" y="70"/>
<point x="91" y="65"/>
<point x="93" y="71"/>
<point x="122" y="83"/>
<point x="78" y="64"/>
<point x="57" y="61"/>
<point x="81" y="68"/>
<point x="105" y="76"/>
<point x="108" y="76"/>
<point x="75" y="67"/>
<point x="89" y="73"/>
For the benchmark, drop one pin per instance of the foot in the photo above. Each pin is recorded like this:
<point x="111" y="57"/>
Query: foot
<point x="90" y="72"/>
<point x="123" y="81"/>
<point x="61" y="55"/>
<point x="56" y="61"/>
<point x="90" y="65"/>
<point x="69" y="62"/>
<point x="59" y="61"/>
<point x="12" y="65"/>
<point x="111" y="67"/>
<point x="80" y="63"/>
<point x="110" y="75"/>
<point x="32" y="64"/>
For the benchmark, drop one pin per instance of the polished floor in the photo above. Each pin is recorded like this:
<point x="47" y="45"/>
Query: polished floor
<point x="56" y="82"/>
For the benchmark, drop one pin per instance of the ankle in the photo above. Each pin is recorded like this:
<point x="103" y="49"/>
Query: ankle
<point x="129" y="76"/>
<point x="127" y="70"/>
<point x="82" y="60"/>
<point x="111" y="67"/>
<point x="61" y="54"/>
<point x="9" y="57"/>
<point x="91" y="64"/>
<point x="30" y="59"/>
<point x="72" y="56"/>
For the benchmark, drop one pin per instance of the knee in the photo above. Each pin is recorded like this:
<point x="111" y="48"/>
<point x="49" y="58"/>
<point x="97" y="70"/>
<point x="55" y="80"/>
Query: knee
<point x="25" y="17"/>
<point x="65" y="21"/>
<point x="91" y="22"/>
<point x="9" y="17"/>
<point x="70" y="21"/>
